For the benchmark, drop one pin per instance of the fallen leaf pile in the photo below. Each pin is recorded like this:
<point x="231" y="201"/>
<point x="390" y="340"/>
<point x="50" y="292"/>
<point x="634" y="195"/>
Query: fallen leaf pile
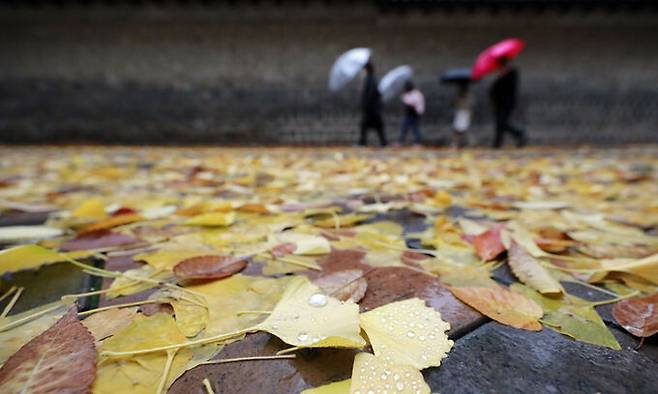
<point x="200" y="248"/>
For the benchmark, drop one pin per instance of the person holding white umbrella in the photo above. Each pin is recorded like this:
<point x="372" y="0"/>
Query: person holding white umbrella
<point x="346" y="67"/>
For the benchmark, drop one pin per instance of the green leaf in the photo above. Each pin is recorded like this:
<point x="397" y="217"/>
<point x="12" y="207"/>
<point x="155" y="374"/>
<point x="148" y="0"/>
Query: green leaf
<point x="572" y="316"/>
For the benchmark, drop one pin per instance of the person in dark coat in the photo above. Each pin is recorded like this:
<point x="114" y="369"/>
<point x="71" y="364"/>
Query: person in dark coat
<point x="503" y="98"/>
<point x="371" y="107"/>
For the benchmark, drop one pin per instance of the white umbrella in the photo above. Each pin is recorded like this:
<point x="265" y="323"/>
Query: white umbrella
<point x="347" y="66"/>
<point x="392" y="83"/>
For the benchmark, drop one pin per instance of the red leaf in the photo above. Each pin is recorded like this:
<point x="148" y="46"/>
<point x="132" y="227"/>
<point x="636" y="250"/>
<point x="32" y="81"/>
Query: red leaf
<point x="283" y="249"/>
<point x="488" y="245"/>
<point x="124" y="211"/>
<point x="97" y="239"/>
<point x="639" y="316"/>
<point x="209" y="267"/>
<point x="60" y="360"/>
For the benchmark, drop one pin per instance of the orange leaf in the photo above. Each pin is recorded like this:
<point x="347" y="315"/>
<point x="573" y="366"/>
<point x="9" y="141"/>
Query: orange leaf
<point x="502" y="305"/>
<point x="488" y="245"/>
<point x="209" y="267"/>
<point x="61" y="359"/>
<point x="112" y="222"/>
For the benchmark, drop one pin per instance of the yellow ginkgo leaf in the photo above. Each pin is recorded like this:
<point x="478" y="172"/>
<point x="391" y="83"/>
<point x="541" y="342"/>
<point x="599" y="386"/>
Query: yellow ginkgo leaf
<point x="26" y="257"/>
<point x="92" y="208"/>
<point x="167" y="257"/>
<point x="212" y="219"/>
<point x="645" y="268"/>
<point x="371" y="374"/>
<point x="142" y="373"/>
<point x="132" y="282"/>
<point x="305" y="317"/>
<point x="305" y="244"/>
<point x="502" y="305"/>
<point x="340" y="387"/>
<point x="190" y="310"/>
<point x="348" y="220"/>
<point x="407" y="332"/>
<point x="228" y="298"/>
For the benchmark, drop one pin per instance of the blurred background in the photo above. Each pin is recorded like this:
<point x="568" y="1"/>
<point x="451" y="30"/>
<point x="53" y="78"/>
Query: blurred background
<point x="255" y="72"/>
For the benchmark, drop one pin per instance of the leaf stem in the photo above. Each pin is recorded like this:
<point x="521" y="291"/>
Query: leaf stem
<point x="208" y="387"/>
<point x="288" y="350"/>
<point x="24" y="319"/>
<point x="202" y="341"/>
<point x="8" y="293"/>
<point x="11" y="303"/>
<point x="253" y="312"/>
<point x="165" y="374"/>
<point x="254" y="358"/>
<point x="292" y="261"/>
<point x="126" y="305"/>
<point x="613" y="300"/>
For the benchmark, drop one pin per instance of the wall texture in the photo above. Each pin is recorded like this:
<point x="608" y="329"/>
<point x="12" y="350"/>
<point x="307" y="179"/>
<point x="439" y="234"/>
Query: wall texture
<point x="257" y="74"/>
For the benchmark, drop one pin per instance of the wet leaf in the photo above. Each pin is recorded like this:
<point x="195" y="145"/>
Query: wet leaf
<point x="306" y="317"/>
<point x="502" y="305"/>
<point x="209" y="267"/>
<point x="639" y="316"/>
<point x="646" y="268"/>
<point x="373" y="374"/>
<point x="531" y="272"/>
<point x="61" y="359"/>
<point x="408" y="333"/>
<point x="343" y="285"/>
<point x="339" y="221"/>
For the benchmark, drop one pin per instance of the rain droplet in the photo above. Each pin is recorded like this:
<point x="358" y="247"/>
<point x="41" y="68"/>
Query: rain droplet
<point x="396" y="377"/>
<point x="411" y="334"/>
<point x="318" y="300"/>
<point x="384" y="376"/>
<point x="421" y="338"/>
<point x="399" y="386"/>
<point x="302" y="337"/>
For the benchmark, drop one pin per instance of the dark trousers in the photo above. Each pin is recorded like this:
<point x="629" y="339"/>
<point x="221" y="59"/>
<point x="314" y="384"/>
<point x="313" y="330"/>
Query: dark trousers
<point x="503" y="126"/>
<point x="372" y="121"/>
<point x="413" y="123"/>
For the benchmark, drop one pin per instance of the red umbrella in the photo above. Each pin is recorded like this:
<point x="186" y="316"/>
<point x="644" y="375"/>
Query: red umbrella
<point x="488" y="60"/>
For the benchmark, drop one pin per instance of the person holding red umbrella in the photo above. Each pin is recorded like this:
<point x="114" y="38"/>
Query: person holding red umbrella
<point x="504" y="90"/>
<point x="503" y="95"/>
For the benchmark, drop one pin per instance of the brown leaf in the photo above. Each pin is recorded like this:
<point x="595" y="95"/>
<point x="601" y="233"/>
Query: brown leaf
<point x="283" y="249"/>
<point x="639" y="316"/>
<point x="344" y="285"/>
<point x="391" y="284"/>
<point x="152" y="309"/>
<point x="488" y="245"/>
<point x="60" y="360"/>
<point x="104" y="324"/>
<point x="97" y="239"/>
<point x="209" y="267"/>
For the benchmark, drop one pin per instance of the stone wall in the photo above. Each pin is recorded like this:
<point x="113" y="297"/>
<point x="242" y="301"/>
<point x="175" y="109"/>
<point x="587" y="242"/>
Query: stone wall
<point x="257" y="74"/>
